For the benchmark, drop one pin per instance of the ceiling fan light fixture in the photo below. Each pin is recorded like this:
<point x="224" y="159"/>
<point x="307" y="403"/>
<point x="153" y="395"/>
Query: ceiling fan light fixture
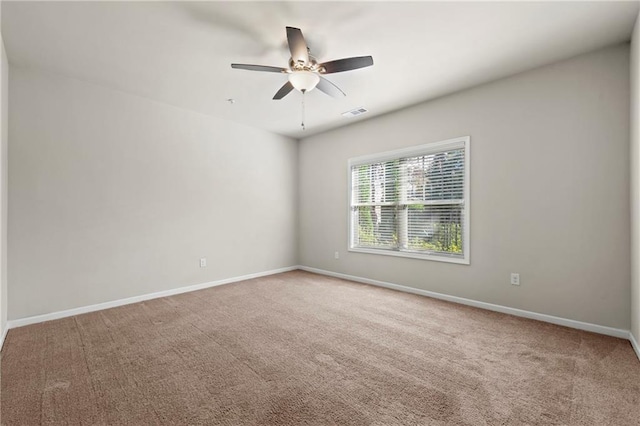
<point x="304" y="81"/>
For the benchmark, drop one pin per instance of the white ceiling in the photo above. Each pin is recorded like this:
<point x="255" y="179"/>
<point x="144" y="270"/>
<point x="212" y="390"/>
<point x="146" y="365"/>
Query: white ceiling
<point x="180" y="52"/>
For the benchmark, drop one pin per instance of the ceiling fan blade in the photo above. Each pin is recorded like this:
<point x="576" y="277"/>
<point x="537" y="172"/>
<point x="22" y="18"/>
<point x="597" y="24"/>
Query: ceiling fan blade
<point x="346" y="64"/>
<point x="284" y="91"/>
<point x="329" y="88"/>
<point x="297" y="46"/>
<point x="258" y="68"/>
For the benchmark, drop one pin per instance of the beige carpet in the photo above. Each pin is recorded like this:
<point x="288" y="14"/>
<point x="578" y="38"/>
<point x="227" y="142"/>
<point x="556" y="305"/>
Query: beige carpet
<point x="303" y="349"/>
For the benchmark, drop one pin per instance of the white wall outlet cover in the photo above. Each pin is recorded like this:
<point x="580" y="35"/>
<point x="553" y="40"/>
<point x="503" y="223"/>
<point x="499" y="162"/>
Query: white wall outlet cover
<point x="515" y="278"/>
<point x="203" y="262"/>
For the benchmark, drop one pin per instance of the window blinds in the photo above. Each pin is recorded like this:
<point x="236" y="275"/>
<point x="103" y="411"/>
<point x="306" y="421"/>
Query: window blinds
<point x="410" y="203"/>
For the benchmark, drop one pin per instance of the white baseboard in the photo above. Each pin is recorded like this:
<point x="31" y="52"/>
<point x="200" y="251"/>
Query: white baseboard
<point x="595" y="328"/>
<point x="4" y="335"/>
<point x="135" y="299"/>
<point x="634" y="344"/>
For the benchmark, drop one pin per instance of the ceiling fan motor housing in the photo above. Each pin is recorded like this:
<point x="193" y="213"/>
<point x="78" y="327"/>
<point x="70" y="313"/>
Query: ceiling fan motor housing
<point x="312" y="65"/>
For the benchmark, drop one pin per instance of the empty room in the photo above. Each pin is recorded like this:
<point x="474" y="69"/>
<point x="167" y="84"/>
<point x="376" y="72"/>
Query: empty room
<point x="320" y="213"/>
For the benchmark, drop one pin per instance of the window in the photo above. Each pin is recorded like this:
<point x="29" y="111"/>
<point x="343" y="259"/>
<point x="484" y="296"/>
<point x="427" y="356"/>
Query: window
<point x="412" y="202"/>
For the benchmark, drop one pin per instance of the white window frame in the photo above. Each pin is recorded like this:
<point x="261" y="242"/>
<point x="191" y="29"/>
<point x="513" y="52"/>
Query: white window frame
<point x="426" y="149"/>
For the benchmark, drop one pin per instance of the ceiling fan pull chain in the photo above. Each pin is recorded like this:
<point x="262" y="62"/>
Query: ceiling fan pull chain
<point x="302" y="123"/>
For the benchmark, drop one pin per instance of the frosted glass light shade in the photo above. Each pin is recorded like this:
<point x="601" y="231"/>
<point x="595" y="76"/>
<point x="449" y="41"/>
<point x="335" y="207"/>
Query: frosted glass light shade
<point x="304" y="80"/>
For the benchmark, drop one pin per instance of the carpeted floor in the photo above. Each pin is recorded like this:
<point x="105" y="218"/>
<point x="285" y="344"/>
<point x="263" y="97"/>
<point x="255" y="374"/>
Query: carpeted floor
<point x="303" y="349"/>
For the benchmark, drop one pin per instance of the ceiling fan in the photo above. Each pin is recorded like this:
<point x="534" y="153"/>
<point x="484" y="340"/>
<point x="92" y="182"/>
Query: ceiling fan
<point x="305" y="73"/>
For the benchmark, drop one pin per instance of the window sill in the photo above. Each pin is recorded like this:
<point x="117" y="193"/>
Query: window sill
<point x="412" y="255"/>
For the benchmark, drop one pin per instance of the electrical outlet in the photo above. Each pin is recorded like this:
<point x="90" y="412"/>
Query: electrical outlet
<point x="203" y="262"/>
<point x="515" y="278"/>
<point x="336" y="255"/>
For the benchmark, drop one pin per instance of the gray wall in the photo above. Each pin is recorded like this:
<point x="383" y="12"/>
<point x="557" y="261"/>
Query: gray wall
<point x="112" y="195"/>
<point x="549" y="190"/>
<point x="635" y="182"/>
<point x="4" y="132"/>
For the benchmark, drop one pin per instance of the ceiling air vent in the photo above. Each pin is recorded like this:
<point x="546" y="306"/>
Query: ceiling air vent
<point x="355" y="112"/>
